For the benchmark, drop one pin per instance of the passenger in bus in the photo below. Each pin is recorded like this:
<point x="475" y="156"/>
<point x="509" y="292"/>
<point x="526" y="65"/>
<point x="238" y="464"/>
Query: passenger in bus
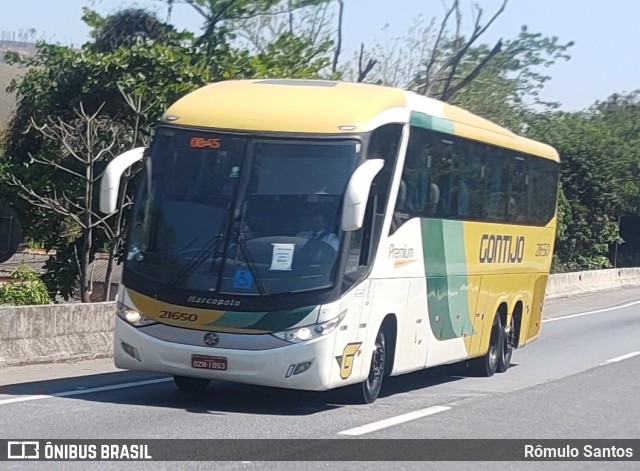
<point x="434" y="199"/>
<point x="444" y="178"/>
<point x="462" y="194"/>
<point x="400" y="212"/>
<point x="246" y="231"/>
<point x="514" y="212"/>
<point x="414" y="199"/>
<point x="320" y="231"/>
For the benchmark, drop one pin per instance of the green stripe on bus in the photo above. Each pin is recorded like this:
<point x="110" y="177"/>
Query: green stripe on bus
<point x="433" y="247"/>
<point x="447" y="281"/>
<point x="458" y="282"/>
<point x="274" y="321"/>
<point x="277" y="321"/>
<point x="435" y="123"/>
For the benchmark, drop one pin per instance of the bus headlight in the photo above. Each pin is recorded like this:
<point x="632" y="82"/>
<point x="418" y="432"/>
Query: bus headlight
<point x="309" y="332"/>
<point x="132" y="316"/>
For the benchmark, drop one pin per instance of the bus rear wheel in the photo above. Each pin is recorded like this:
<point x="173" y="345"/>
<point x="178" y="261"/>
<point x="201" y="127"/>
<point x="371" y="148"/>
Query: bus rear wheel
<point x="185" y="383"/>
<point x="487" y="365"/>
<point x="509" y="343"/>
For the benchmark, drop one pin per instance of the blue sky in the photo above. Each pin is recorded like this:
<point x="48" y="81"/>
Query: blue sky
<point x="605" y="58"/>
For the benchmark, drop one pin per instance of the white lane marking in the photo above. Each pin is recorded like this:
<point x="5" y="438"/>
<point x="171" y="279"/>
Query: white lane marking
<point x="571" y="316"/>
<point x="394" y="421"/>
<point x="83" y="391"/>
<point x="623" y="357"/>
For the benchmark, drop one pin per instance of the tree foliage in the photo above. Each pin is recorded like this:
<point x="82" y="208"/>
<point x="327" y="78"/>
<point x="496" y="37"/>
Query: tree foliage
<point x="221" y="17"/>
<point x="600" y="155"/>
<point x="127" y="28"/>
<point x="507" y="89"/>
<point x="81" y="147"/>
<point x="501" y="82"/>
<point x="24" y="289"/>
<point x="131" y="71"/>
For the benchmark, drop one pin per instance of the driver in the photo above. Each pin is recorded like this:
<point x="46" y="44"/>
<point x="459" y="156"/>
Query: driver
<point x="320" y="231"/>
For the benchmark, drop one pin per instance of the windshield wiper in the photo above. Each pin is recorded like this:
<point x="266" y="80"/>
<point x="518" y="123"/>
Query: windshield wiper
<point x="209" y="248"/>
<point x="240" y="242"/>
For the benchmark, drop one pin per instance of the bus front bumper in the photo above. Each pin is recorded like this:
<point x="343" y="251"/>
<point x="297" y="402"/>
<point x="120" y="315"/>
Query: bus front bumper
<point x="282" y="367"/>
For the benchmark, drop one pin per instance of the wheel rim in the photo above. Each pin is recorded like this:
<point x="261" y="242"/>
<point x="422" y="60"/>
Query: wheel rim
<point x="377" y="365"/>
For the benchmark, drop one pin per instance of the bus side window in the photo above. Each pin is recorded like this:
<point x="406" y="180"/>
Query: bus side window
<point x="384" y="144"/>
<point x="450" y="177"/>
<point x="418" y="195"/>
<point x="544" y="185"/>
<point x="470" y="175"/>
<point x="517" y="210"/>
<point x="445" y="177"/>
<point x="495" y="183"/>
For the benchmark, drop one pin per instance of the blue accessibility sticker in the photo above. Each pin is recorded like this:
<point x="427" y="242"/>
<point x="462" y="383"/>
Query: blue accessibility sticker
<point x="243" y="279"/>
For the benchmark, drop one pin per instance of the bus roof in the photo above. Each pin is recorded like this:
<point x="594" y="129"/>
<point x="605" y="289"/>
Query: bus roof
<point x="328" y="107"/>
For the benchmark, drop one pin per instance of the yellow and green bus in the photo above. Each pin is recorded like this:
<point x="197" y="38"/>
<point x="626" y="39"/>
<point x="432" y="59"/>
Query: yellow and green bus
<point x="318" y="234"/>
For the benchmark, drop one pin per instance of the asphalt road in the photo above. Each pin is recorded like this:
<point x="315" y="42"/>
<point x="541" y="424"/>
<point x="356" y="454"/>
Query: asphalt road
<point x="579" y="381"/>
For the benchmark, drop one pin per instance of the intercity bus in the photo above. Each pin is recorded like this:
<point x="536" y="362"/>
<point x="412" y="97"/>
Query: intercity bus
<point x="434" y="232"/>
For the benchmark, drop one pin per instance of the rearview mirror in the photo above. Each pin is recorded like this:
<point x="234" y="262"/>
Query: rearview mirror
<point x="357" y="194"/>
<point x="110" y="183"/>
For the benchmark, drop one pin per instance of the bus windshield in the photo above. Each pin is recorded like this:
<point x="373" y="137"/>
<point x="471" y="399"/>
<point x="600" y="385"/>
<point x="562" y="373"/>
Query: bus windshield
<point x="236" y="215"/>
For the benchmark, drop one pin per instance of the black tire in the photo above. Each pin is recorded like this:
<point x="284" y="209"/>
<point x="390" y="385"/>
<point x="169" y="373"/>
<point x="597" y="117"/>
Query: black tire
<point x="185" y="383"/>
<point x="509" y="343"/>
<point x="369" y="390"/>
<point x="487" y="365"/>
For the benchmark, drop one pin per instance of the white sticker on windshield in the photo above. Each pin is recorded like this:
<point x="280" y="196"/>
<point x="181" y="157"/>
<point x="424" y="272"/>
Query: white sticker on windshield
<point x="282" y="256"/>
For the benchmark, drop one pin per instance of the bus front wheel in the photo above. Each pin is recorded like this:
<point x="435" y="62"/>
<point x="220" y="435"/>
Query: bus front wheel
<point x="487" y="365"/>
<point x="367" y="391"/>
<point x="185" y="383"/>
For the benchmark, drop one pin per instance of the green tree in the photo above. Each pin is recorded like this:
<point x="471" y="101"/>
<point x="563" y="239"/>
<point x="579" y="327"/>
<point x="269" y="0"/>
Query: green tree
<point x="220" y="17"/>
<point x="592" y="161"/>
<point x="620" y="114"/>
<point x="600" y="159"/>
<point x="81" y="146"/>
<point x="507" y="89"/>
<point x="133" y="69"/>
<point x="131" y="79"/>
<point x="289" y="56"/>
<point x="127" y="28"/>
<point x="500" y="82"/>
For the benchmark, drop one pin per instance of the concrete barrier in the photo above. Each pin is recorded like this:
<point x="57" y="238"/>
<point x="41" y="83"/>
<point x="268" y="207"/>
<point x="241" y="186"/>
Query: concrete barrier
<point x="53" y="333"/>
<point x="72" y="332"/>
<point x="566" y="284"/>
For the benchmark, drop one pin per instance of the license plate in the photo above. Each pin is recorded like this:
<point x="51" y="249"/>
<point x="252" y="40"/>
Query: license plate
<point x="208" y="363"/>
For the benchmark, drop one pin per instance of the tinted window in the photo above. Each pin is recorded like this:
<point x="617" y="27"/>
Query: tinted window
<point x="383" y="143"/>
<point x="452" y="178"/>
